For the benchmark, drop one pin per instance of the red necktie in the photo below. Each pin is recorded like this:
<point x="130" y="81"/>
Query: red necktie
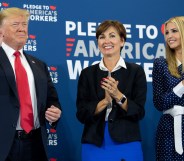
<point x="26" y="111"/>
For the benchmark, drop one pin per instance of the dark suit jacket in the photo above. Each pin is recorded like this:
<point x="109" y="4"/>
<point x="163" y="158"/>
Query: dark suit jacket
<point x="9" y="103"/>
<point x="123" y="126"/>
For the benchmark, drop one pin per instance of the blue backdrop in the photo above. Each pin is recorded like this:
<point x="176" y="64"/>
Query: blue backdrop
<point x="62" y="33"/>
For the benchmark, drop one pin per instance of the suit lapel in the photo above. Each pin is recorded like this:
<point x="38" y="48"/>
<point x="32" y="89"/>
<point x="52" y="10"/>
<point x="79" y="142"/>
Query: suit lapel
<point x="122" y="75"/>
<point x="4" y="61"/>
<point x="37" y="75"/>
<point x="100" y="74"/>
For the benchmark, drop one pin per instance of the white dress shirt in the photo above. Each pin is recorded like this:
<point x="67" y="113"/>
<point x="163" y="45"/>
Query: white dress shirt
<point x="120" y="64"/>
<point x="9" y="52"/>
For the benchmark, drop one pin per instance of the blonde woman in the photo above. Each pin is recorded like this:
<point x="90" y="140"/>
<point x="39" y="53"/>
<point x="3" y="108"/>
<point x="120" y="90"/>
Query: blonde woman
<point x="168" y="90"/>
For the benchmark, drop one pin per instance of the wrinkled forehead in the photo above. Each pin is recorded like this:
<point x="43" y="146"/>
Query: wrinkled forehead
<point x="15" y="18"/>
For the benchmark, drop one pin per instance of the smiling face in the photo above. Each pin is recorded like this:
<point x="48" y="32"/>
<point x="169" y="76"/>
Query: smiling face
<point x="172" y="36"/>
<point x="110" y="43"/>
<point x="15" y="31"/>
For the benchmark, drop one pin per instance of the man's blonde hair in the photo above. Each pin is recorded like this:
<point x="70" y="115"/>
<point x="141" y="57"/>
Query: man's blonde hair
<point x="11" y="12"/>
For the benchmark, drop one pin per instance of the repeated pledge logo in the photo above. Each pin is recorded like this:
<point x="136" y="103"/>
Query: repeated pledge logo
<point x="52" y="137"/>
<point x="53" y="73"/>
<point x="42" y="13"/>
<point x="31" y="44"/>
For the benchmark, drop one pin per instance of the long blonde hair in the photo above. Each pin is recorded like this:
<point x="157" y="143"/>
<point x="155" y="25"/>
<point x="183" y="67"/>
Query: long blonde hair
<point x="170" y="53"/>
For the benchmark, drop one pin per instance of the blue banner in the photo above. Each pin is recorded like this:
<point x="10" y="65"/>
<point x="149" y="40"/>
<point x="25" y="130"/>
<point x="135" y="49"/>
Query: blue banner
<point x="62" y="33"/>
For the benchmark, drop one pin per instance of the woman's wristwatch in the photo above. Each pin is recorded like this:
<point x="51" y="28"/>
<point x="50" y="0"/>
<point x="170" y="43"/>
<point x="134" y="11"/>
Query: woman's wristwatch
<point x="121" y="100"/>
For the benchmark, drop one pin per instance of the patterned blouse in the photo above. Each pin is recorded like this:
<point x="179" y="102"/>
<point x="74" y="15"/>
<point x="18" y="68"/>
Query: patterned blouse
<point x="165" y="98"/>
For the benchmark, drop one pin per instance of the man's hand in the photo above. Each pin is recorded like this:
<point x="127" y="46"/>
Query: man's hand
<point x="53" y="114"/>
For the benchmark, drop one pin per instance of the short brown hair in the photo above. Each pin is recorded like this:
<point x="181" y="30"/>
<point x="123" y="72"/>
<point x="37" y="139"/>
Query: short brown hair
<point x="108" y="23"/>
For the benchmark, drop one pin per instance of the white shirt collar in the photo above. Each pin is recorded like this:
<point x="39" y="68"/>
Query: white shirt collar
<point x="120" y="63"/>
<point x="10" y="51"/>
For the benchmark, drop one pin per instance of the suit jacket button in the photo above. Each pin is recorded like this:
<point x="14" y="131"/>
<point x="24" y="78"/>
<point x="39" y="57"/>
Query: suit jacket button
<point x="14" y="125"/>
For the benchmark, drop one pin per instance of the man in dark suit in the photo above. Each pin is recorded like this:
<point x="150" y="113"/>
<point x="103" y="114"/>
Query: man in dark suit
<point x="18" y="143"/>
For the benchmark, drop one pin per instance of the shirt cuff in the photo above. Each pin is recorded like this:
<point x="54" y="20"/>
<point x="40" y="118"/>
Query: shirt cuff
<point x="179" y="89"/>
